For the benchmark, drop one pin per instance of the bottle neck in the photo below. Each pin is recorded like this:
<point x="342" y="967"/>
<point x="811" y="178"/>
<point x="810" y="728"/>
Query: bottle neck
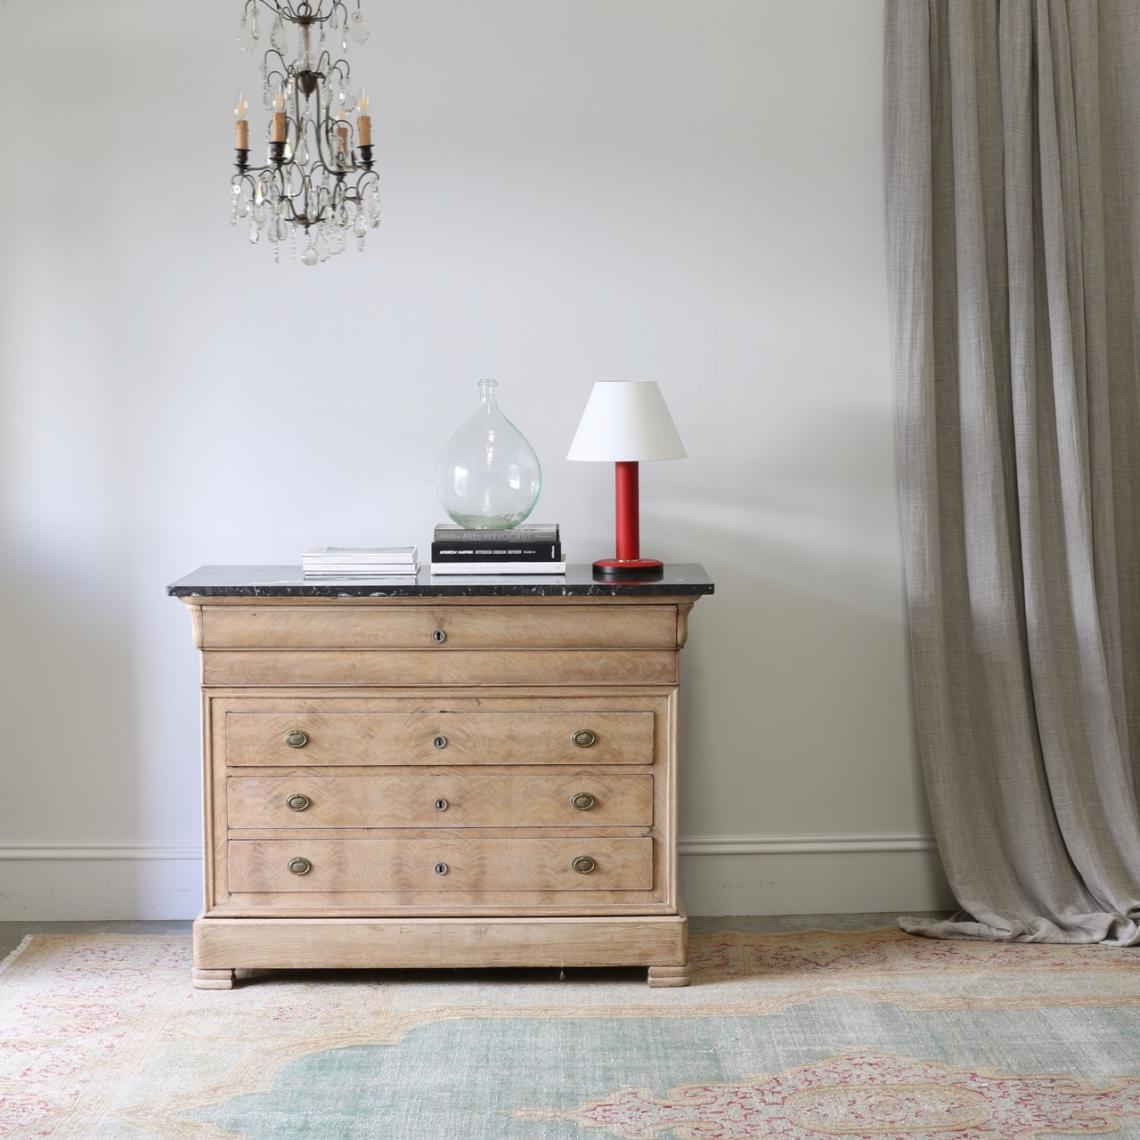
<point x="487" y="394"/>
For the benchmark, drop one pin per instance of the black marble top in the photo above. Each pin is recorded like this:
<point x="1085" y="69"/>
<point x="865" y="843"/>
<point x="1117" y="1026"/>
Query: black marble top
<point x="680" y="578"/>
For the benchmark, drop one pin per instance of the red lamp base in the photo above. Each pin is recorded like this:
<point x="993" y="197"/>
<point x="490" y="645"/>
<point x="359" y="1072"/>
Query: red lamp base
<point x="628" y="565"/>
<point x="626" y="568"/>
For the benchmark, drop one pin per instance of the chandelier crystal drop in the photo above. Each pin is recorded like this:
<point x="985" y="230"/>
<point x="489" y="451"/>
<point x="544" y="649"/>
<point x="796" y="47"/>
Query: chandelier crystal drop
<point x="317" y="185"/>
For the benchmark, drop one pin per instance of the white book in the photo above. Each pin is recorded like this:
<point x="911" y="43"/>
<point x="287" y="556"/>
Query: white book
<point x="348" y="554"/>
<point x="498" y="568"/>
<point x="397" y="571"/>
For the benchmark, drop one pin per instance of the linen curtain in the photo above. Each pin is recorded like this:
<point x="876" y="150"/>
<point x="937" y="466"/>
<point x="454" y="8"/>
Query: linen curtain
<point x="1011" y="132"/>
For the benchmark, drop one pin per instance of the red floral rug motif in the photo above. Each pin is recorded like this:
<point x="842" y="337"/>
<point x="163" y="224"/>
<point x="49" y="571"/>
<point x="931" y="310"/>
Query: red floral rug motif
<point x="868" y="1095"/>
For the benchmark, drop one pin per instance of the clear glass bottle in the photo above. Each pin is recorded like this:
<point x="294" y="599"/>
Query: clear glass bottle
<point x="488" y="475"/>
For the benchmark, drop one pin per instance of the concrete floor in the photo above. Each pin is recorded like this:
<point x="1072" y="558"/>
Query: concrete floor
<point x="12" y="933"/>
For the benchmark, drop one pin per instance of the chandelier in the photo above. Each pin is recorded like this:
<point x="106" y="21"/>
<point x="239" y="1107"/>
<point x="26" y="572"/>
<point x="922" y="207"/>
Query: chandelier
<point x="317" y="188"/>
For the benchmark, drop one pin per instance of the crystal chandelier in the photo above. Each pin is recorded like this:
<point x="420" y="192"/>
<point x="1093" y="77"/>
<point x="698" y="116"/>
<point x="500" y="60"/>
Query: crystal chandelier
<point x="317" y="187"/>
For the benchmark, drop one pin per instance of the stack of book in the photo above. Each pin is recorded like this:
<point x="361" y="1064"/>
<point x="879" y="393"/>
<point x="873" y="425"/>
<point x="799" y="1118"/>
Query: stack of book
<point x="533" y="549"/>
<point x="360" y="562"/>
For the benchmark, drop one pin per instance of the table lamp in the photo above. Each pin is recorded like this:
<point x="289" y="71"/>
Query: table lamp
<point x="624" y="423"/>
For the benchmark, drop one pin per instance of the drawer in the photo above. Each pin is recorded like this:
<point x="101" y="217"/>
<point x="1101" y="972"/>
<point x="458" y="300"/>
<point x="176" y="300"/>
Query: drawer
<point x="426" y="735"/>
<point x="442" y="797"/>
<point x="438" y="667"/>
<point x="440" y="628"/>
<point x="465" y="864"/>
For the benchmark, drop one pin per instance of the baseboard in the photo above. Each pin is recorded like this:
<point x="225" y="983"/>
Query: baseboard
<point x="812" y="874"/>
<point x="73" y="882"/>
<point x="98" y="852"/>
<point x="720" y="874"/>
<point x="801" y="844"/>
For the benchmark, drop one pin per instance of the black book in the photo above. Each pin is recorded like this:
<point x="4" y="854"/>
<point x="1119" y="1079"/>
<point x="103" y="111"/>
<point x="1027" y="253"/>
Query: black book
<point x="535" y="532"/>
<point x="496" y="551"/>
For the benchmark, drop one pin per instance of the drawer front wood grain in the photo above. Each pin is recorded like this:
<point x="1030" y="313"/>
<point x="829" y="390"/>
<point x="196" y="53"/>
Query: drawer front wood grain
<point x="450" y="864"/>
<point x="425" y="736"/>
<point x="420" y="627"/>
<point x="237" y="667"/>
<point x="442" y="797"/>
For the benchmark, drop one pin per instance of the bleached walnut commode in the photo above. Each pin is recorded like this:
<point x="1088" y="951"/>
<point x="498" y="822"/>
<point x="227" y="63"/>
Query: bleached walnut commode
<point x="439" y="773"/>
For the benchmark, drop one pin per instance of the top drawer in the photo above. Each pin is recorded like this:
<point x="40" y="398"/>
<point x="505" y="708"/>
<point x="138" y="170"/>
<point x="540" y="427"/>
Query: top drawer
<point x="527" y="626"/>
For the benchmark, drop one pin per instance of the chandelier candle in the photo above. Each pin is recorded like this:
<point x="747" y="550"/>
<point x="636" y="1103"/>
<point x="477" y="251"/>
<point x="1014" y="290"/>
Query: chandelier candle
<point x="364" y="121"/>
<point x="341" y="138"/>
<point x="317" y="187"/>
<point x="241" y="125"/>
<point x="277" y="131"/>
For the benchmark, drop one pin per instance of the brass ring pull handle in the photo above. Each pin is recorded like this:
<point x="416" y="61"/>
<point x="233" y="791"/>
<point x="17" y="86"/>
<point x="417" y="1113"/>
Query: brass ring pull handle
<point x="300" y="866"/>
<point x="440" y="742"/>
<point x="440" y="868"/>
<point x="298" y="802"/>
<point x="438" y="636"/>
<point x="295" y="738"/>
<point x="584" y="865"/>
<point x="441" y="805"/>
<point x="584" y="738"/>
<point x="583" y="801"/>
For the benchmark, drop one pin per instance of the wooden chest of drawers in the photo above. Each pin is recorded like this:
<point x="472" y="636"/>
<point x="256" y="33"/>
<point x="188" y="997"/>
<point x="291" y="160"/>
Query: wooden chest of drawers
<point x="444" y="775"/>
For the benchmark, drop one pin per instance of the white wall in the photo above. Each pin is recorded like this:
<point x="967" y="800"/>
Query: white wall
<point x="605" y="188"/>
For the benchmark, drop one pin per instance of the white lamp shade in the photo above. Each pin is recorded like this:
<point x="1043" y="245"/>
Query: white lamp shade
<point x="626" y="421"/>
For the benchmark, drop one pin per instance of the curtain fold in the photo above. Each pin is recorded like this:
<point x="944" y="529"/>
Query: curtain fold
<point x="1012" y="161"/>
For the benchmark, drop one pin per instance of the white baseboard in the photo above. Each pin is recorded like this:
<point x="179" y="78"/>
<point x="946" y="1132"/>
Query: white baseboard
<point x="720" y="874"/>
<point x="88" y="852"/>
<point x="801" y="844"/>
<point x="73" y="882"/>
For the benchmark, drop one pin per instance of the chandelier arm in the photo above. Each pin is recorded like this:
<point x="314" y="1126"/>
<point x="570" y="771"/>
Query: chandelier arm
<point x="305" y="196"/>
<point x="299" y="118"/>
<point x="356" y="193"/>
<point x="320" y="203"/>
<point x="294" y="217"/>
<point x="291" y="127"/>
<point x="285" y="66"/>
<point x="367" y="177"/>
<point x="294" y="14"/>
<point x="277" y="9"/>
<point x="285" y="190"/>
<point x="282" y="189"/>
<point x="245" y="176"/>
<point x="272" y="7"/>
<point x="284" y="79"/>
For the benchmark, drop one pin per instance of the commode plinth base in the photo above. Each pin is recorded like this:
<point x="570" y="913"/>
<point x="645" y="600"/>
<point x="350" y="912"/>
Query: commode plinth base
<point x="225" y="944"/>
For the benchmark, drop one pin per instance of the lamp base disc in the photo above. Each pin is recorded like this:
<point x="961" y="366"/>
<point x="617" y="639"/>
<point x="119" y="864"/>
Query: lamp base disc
<point x="625" y="568"/>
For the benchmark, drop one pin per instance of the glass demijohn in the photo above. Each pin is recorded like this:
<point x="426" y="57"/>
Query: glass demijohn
<point x="488" y="475"/>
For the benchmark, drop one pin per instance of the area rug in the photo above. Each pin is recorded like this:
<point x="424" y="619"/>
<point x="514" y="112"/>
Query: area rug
<point x="799" y="1036"/>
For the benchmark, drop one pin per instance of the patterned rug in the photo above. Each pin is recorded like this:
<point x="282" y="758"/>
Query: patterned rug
<point x="798" y="1036"/>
